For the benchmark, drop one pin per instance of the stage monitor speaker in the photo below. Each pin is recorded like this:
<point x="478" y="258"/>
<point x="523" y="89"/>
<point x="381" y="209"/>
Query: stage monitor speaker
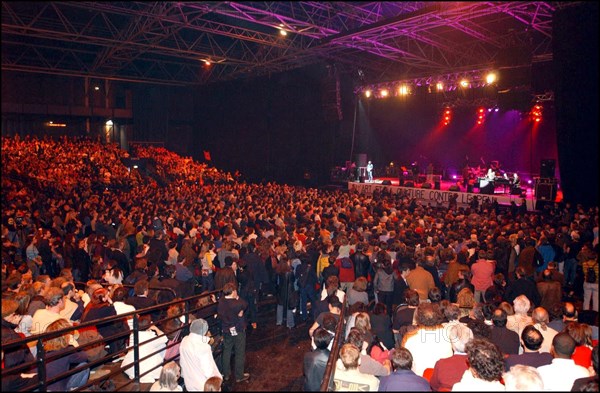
<point x="426" y="185"/>
<point x="545" y="191"/>
<point x="386" y="183"/>
<point x="361" y="160"/>
<point x="547" y="168"/>
<point x="516" y="191"/>
<point x="409" y="183"/>
<point x="361" y="179"/>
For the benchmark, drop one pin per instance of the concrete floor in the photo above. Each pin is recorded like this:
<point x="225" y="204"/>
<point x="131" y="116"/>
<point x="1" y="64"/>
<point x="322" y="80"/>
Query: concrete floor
<point x="274" y="356"/>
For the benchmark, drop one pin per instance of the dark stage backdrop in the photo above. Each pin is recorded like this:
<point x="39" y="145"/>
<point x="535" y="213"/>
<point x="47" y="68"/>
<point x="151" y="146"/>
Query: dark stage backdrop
<point x="408" y="130"/>
<point x="575" y="48"/>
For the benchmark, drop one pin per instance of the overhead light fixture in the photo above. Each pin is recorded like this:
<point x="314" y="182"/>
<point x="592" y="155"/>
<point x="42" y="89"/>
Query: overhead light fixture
<point x="384" y="93"/>
<point x="282" y="32"/>
<point x="403" y="90"/>
<point x="490" y="78"/>
<point x="109" y="123"/>
<point x="439" y="86"/>
<point x="368" y="93"/>
<point x="207" y="62"/>
<point x="96" y="88"/>
<point x="464" y="83"/>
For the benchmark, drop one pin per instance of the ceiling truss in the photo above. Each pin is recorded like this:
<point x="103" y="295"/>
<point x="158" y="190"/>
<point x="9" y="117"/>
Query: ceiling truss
<point x="169" y="42"/>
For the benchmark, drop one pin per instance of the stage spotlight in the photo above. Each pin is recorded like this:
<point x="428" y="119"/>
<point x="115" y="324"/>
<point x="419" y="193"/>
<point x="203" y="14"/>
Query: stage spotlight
<point x="496" y="109"/>
<point x="489" y="109"/>
<point x="206" y="62"/>
<point x="384" y="93"/>
<point x="454" y="177"/>
<point x="96" y="88"/>
<point x="439" y="86"/>
<point x="490" y="78"/>
<point x="282" y="32"/>
<point x="403" y="90"/>
<point x="368" y="93"/>
<point x="464" y="83"/>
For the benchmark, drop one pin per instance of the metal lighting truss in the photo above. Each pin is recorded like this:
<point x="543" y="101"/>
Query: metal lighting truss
<point x="170" y="42"/>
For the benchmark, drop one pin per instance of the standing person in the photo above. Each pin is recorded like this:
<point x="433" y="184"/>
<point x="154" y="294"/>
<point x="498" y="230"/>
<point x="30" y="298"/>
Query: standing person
<point x="231" y="311"/>
<point x="196" y="358"/>
<point x="286" y="294"/>
<point x="483" y="274"/>
<point x="370" y="171"/>
<point x="315" y="361"/>
<point x="306" y="279"/>
<point x="590" y="284"/>
<point x="383" y="284"/>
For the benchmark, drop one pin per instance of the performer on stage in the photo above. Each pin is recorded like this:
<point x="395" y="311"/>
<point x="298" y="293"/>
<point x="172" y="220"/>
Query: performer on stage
<point x="370" y="171"/>
<point x="516" y="181"/>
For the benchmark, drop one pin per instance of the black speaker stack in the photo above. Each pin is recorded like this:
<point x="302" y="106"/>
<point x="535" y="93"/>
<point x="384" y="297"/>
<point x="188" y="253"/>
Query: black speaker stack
<point x="545" y="189"/>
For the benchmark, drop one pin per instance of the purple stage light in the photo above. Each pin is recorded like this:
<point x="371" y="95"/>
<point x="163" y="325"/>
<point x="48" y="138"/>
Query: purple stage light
<point x="496" y="110"/>
<point x="528" y="181"/>
<point x="454" y="177"/>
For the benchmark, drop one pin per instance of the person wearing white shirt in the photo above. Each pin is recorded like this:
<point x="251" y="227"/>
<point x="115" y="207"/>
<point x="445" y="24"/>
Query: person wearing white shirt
<point x="196" y="358"/>
<point x="562" y="372"/>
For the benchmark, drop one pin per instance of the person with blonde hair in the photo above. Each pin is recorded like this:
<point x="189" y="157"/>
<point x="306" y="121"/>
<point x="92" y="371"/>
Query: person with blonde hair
<point x="167" y="382"/>
<point x="358" y="292"/>
<point x="350" y="378"/>
<point x="58" y="363"/>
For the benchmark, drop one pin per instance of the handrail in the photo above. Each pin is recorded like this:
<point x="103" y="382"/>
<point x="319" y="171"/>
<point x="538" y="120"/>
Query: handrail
<point x="41" y="360"/>
<point x="326" y="385"/>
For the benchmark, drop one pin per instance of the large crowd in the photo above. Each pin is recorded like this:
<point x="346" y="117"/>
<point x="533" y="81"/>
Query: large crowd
<point x="514" y="293"/>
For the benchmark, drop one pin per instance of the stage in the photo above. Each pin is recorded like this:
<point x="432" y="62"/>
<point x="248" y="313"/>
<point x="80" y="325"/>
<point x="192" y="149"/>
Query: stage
<point x="434" y="196"/>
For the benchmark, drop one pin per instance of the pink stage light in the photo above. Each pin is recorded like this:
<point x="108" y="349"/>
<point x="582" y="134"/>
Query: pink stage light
<point x="454" y="177"/>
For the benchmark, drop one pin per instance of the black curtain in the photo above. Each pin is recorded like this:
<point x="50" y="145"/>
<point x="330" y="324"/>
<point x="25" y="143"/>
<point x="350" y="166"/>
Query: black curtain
<point x="575" y="54"/>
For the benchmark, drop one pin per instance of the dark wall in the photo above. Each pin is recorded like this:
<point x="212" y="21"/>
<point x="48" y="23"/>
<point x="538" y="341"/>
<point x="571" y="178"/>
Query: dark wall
<point x="274" y="128"/>
<point x="575" y="50"/>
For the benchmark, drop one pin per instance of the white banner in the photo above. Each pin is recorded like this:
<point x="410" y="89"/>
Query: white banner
<point x="464" y="199"/>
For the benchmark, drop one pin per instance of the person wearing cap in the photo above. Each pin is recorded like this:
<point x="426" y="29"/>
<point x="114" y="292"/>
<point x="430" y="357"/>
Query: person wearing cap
<point x="196" y="358"/>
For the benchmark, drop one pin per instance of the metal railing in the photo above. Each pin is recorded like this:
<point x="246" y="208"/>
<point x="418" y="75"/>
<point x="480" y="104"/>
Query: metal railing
<point x="206" y="311"/>
<point x="327" y="385"/>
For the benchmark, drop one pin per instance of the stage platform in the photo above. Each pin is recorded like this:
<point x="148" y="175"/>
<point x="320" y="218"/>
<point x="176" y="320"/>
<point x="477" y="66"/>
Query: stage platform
<point x="441" y="195"/>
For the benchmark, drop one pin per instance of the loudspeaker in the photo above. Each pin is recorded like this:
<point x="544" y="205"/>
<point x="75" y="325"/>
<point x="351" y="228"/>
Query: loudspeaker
<point x="426" y="185"/>
<point x="361" y="179"/>
<point x="386" y="183"/>
<point x="453" y="187"/>
<point x="361" y="160"/>
<point x="436" y="184"/>
<point x="547" y="168"/>
<point x="545" y="191"/>
<point x="409" y="183"/>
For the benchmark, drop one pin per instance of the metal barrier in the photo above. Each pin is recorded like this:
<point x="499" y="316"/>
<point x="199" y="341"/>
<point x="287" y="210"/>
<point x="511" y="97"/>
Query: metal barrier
<point x="327" y="384"/>
<point x="206" y="311"/>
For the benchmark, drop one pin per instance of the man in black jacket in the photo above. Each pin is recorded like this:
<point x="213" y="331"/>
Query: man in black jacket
<point x="361" y="261"/>
<point x="315" y="361"/>
<point x="523" y="285"/>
